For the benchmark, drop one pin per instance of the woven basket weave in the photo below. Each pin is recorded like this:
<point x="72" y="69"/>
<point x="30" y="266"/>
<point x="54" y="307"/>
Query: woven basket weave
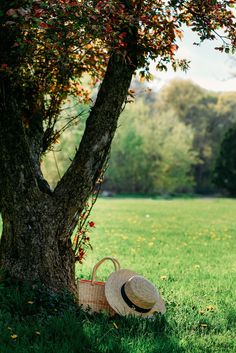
<point x="91" y="293"/>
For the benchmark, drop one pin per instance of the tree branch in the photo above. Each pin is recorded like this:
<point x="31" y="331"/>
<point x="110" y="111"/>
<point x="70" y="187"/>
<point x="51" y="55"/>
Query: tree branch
<point x="78" y="182"/>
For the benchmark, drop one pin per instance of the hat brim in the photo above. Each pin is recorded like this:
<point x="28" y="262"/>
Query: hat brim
<point x="114" y="297"/>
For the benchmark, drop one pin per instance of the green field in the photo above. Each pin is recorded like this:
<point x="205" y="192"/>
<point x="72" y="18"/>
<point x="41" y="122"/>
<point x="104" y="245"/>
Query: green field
<point x="186" y="247"/>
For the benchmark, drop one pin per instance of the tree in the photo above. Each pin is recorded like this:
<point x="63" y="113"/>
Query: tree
<point x="170" y="155"/>
<point x="151" y="153"/>
<point x="225" y="169"/>
<point x="129" y="168"/>
<point x="209" y="115"/>
<point x="45" y="48"/>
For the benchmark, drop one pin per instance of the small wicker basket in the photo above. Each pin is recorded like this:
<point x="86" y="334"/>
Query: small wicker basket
<point x="91" y="293"/>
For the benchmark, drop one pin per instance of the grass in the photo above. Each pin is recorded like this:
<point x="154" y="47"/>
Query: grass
<point x="185" y="247"/>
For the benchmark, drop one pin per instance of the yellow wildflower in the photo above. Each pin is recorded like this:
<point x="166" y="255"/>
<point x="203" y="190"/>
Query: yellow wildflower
<point x="210" y="308"/>
<point x="163" y="278"/>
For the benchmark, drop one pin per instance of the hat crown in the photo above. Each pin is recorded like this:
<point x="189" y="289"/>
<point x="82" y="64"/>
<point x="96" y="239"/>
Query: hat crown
<point x="141" y="292"/>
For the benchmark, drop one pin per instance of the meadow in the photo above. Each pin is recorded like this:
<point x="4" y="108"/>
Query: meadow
<point x="186" y="247"/>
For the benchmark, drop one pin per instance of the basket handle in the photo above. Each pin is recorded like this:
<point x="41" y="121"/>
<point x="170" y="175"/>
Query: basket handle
<point x="115" y="263"/>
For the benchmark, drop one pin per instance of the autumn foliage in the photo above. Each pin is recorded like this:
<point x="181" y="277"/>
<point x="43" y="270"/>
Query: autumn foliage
<point x="46" y="46"/>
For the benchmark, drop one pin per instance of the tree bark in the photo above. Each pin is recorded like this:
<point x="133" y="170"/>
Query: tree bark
<point x="29" y="249"/>
<point x="37" y="224"/>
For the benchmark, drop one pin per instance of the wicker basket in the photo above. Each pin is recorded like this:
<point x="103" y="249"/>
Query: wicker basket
<point x="91" y="293"/>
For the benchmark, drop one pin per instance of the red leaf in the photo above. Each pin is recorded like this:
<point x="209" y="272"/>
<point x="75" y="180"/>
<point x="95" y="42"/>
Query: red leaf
<point x="44" y="25"/>
<point x="38" y="13"/>
<point x="4" y="66"/>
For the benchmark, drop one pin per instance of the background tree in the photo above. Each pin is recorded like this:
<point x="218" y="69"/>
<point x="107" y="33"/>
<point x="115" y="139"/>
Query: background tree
<point x="151" y="153"/>
<point x="209" y="115"/>
<point x="128" y="166"/>
<point x="225" y="170"/>
<point x="179" y="132"/>
<point x="45" y="48"/>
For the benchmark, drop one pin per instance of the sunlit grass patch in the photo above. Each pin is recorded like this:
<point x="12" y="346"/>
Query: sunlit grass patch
<point x="187" y="248"/>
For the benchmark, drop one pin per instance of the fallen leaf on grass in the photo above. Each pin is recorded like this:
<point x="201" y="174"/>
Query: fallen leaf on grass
<point x="210" y="308"/>
<point x="163" y="278"/>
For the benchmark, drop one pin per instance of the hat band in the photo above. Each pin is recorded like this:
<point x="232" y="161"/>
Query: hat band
<point x="130" y="303"/>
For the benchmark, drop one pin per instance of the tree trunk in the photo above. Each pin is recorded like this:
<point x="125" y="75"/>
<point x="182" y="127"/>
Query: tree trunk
<point x="31" y="249"/>
<point x="38" y="223"/>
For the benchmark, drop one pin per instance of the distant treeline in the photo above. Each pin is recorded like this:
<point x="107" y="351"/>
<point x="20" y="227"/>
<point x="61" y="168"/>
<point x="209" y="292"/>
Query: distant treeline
<point x="167" y="142"/>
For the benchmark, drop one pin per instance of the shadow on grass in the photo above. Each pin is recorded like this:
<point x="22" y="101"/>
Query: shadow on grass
<point x="129" y="335"/>
<point x="40" y="321"/>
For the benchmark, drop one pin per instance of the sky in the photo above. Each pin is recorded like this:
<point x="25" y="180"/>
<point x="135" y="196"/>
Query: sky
<point x="209" y="68"/>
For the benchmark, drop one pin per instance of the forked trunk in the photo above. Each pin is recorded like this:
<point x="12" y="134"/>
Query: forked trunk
<point x="38" y="223"/>
<point x="33" y="245"/>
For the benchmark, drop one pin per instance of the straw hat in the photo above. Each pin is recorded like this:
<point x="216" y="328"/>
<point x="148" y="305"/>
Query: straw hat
<point x="131" y="294"/>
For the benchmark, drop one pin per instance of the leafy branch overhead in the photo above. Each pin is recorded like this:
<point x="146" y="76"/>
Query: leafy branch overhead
<point x="46" y="46"/>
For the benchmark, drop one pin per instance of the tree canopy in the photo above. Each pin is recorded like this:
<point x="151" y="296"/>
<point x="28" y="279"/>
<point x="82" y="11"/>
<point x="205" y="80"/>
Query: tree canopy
<point x="46" y="46"/>
<point x="45" y="49"/>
